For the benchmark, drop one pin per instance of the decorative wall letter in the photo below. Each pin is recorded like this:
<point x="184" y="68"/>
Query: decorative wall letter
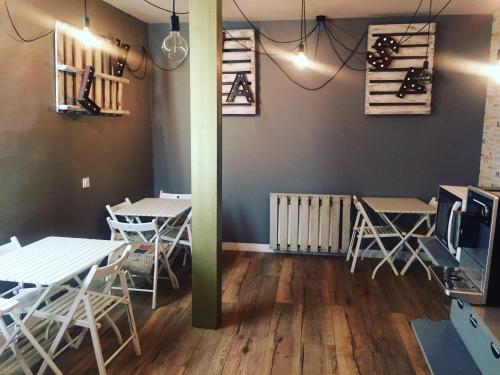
<point x="396" y="81"/>
<point x="239" y="86"/>
<point x="83" y="94"/>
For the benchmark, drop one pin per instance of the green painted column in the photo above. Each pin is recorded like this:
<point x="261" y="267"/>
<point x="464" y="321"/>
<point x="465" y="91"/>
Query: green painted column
<point x="205" y="38"/>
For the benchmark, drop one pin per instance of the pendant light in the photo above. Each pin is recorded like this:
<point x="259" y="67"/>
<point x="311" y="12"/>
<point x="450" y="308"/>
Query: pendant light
<point x="301" y="60"/>
<point x="174" y="46"/>
<point x="86" y="37"/>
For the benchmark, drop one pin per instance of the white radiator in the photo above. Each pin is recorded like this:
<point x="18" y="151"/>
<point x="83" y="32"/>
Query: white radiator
<point x="309" y="222"/>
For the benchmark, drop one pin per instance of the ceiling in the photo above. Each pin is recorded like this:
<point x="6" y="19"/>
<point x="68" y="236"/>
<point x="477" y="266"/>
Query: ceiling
<point x="290" y="9"/>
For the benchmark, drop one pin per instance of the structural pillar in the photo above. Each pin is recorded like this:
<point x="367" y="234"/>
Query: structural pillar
<point x="205" y="38"/>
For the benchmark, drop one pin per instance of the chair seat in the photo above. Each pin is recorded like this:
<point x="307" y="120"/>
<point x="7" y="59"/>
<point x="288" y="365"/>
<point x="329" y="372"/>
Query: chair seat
<point x="101" y="304"/>
<point x="382" y="231"/>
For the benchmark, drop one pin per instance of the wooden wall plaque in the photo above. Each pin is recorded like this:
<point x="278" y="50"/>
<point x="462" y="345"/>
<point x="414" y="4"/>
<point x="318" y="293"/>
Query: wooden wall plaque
<point x="239" y="86"/>
<point x="71" y="58"/>
<point x="383" y="85"/>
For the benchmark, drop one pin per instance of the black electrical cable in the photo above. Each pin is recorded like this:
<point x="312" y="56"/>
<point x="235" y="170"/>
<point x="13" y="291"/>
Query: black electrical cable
<point x="164" y="9"/>
<point x="16" y="30"/>
<point x="341" y="43"/>
<point x="85" y="7"/>
<point x="140" y="64"/>
<point x="428" y="33"/>
<point x="317" y="44"/>
<point x="319" y="87"/>
<point x="275" y="54"/>
<point x="411" y="20"/>
<point x="134" y="74"/>
<point x="428" y="24"/>
<point x="260" y="32"/>
<point x="344" y="61"/>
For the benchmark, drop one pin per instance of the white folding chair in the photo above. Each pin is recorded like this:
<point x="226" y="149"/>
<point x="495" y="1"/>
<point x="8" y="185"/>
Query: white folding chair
<point x="174" y="233"/>
<point x="112" y="213"/>
<point x="86" y="307"/>
<point x="21" y="347"/>
<point x="366" y="230"/>
<point x="149" y="254"/>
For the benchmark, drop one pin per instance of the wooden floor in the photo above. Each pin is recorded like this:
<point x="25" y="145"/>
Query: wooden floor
<point x="282" y="315"/>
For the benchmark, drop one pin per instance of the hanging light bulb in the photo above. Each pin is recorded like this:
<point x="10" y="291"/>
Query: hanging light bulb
<point x="174" y="46"/>
<point x="86" y="37"/>
<point x="301" y="60"/>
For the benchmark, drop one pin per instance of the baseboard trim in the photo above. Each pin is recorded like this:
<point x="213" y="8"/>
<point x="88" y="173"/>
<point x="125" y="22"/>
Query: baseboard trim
<point x="265" y="248"/>
<point x="242" y="246"/>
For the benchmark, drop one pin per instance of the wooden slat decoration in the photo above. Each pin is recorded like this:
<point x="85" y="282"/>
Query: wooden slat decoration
<point x="238" y="56"/>
<point x="310" y="222"/>
<point x="71" y="57"/>
<point x="383" y="85"/>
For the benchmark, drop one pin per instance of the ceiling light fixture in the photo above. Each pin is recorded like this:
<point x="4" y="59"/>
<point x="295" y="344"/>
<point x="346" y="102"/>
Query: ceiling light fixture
<point x="174" y="46"/>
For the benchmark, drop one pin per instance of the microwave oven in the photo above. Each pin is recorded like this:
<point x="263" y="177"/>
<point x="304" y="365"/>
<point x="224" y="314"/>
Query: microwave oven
<point x="451" y="201"/>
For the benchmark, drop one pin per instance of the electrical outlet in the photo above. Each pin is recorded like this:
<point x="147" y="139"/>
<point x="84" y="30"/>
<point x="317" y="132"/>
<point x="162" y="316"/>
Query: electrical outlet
<point x="85" y="182"/>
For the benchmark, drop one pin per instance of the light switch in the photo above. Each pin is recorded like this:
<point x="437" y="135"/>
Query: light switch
<point x="85" y="182"/>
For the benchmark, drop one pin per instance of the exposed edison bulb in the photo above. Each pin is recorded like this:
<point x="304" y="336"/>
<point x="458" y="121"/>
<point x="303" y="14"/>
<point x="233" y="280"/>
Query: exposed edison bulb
<point x="301" y="60"/>
<point x="174" y="46"/>
<point x="86" y="37"/>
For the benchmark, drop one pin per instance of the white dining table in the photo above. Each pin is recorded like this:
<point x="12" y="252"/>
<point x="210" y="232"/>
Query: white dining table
<point x="156" y="207"/>
<point x="385" y="206"/>
<point x="50" y="263"/>
<point x="164" y="208"/>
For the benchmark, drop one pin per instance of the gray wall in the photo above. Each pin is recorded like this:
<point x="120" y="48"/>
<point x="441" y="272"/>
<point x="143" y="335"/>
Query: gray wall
<point x="44" y="155"/>
<point x="321" y="141"/>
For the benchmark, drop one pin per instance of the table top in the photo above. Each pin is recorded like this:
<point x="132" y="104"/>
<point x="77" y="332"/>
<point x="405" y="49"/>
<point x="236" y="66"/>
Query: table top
<point x="156" y="207"/>
<point x="54" y="260"/>
<point x="399" y="205"/>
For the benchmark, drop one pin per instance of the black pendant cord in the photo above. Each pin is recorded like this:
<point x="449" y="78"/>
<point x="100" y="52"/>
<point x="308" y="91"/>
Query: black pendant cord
<point x="411" y="21"/>
<point x="260" y="33"/>
<point x="351" y="55"/>
<point x="317" y="44"/>
<point x="320" y="86"/>
<point x="161" y="8"/>
<point x="85" y="7"/>
<point x="308" y="35"/>
<point x="427" y="23"/>
<point x="16" y="30"/>
<point x="428" y="35"/>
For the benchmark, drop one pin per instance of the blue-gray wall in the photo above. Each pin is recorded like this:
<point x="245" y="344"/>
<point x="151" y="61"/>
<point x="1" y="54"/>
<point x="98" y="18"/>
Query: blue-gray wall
<point x="321" y="141"/>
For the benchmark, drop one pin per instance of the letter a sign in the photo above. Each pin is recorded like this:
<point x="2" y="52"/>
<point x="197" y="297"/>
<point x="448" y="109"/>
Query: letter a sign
<point x="239" y="83"/>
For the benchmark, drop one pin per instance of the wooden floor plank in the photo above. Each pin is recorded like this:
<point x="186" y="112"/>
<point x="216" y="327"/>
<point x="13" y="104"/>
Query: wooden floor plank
<point x="281" y="314"/>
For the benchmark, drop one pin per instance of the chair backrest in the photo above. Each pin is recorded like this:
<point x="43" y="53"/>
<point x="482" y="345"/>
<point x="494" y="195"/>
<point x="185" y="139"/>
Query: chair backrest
<point x="124" y="228"/>
<point x="108" y="272"/>
<point x="359" y="206"/>
<point x="113" y="209"/>
<point x="174" y="196"/>
<point x="10" y="246"/>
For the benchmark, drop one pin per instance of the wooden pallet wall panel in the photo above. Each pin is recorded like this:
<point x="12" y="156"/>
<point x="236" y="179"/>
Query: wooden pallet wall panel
<point x="383" y="85"/>
<point x="238" y="56"/>
<point x="71" y="57"/>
